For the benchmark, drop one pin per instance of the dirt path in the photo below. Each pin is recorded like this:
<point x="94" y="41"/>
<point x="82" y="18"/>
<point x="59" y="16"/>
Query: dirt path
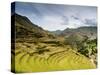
<point x="92" y="61"/>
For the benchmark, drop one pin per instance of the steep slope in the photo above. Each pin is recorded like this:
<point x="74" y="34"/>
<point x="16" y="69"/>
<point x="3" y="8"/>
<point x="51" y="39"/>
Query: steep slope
<point x="26" y="29"/>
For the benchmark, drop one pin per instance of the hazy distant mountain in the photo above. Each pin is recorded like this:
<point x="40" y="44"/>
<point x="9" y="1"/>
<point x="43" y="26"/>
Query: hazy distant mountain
<point x="90" y="31"/>
<point x="58" y="32"/>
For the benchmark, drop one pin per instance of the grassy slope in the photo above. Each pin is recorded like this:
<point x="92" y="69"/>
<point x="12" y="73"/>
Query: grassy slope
<point x="59" y="58"/>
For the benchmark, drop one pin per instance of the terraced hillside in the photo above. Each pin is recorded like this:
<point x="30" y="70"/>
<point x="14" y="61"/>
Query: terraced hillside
<point x="38" y="50"/>
<point x="29" y="59"/>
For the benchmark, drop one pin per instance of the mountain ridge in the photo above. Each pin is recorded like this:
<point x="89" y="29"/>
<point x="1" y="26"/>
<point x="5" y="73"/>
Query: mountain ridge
<point x="89" y="31"/>
<point x="25" y="28"/>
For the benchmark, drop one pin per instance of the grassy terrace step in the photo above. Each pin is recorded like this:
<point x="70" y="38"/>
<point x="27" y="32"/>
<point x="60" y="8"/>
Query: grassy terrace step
<point x="58" y="59"/>
<point x="55" y="56"/>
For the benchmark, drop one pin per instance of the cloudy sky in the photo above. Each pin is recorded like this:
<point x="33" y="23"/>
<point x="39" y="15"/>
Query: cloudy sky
<point x="58" y="17"/>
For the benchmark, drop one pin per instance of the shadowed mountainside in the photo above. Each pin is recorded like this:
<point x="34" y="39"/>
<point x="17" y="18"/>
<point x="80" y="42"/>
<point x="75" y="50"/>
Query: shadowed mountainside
<point x="26" y="29"/>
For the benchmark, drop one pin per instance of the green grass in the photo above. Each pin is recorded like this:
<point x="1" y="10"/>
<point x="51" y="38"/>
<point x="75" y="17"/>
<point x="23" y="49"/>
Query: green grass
<point x="58" y="58"/>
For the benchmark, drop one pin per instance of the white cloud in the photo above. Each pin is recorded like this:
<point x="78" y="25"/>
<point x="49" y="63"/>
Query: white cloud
<point x="53" y="23"/>
<point x="53" y="19"/>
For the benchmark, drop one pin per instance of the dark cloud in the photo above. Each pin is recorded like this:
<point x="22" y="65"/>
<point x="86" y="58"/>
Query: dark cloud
<point x="90" y="22"/>
<point x="75" y="17"/>
<point x="86" y="21"/>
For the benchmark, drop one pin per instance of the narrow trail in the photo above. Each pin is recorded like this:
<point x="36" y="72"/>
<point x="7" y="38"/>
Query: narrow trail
<point x="92" y="61"/>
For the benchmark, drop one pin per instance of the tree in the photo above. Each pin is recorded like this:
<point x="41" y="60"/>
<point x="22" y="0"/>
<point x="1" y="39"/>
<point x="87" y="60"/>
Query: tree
<point x="89" y="48"/>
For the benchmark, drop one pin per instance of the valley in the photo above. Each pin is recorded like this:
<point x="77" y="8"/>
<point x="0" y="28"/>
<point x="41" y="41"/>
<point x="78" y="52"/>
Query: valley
<point x="36" y="49"/>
